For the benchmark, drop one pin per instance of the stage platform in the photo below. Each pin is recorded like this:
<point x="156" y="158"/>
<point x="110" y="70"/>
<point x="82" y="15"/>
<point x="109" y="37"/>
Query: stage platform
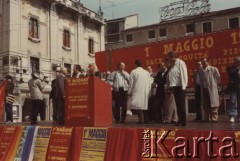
<point x="121" y="142"/>
<point x="131" y="120"/>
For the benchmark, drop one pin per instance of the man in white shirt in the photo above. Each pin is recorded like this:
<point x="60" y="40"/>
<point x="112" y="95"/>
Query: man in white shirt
<point x="139" y="90"/>
<point x="119" y="80"/>
<point x="177" y="80"/>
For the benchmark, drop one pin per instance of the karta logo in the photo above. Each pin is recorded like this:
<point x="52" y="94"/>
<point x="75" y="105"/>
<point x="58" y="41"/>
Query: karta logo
<point x="164" y="144"/>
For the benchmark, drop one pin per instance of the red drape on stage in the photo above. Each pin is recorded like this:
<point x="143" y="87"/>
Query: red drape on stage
<point x="1" y="130"/>
<point x="123" y="144"/>
<point x="76" y="143"/>
<point x="204" y="149"/>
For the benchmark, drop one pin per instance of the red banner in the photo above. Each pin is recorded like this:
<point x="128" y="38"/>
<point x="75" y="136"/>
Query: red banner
<point x="9" y="141"/>
<point x="220" y="47"/>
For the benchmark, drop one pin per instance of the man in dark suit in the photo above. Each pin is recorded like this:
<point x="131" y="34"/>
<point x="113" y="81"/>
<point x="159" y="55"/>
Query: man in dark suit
<point x="61" y="95"/>
<point x="234" y="89"/>
<point x="53" y="96"/>
<point x="160" y="80"/>
<point x="197" y="91"/>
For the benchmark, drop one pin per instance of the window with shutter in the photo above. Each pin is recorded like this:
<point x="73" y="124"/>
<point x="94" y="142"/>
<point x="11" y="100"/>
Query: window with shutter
<point x="33" y="26"/>
<point x="66" y="38"/>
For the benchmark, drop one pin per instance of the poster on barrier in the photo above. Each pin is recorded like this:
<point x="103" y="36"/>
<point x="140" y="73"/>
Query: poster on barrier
<point x="40" y="143"/>
<point x="59" y="144"/>
<point x="8" y="141"/>
<point x="93" y="144"/>
<point x="157" y="144"/>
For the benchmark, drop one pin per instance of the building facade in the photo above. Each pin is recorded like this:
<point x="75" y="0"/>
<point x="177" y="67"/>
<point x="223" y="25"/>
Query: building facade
<point x="42" y="35"/>
<point x="177" y="28"/>
<point x="115" y="27"/>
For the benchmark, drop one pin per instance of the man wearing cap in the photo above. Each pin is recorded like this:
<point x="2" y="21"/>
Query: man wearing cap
<point x="36" y="86"/>
<point x="234" y="89"/>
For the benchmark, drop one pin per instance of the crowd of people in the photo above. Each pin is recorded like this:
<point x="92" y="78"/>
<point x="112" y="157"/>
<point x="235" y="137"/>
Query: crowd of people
<point x="160" y="97"/>
<point x="155" y="97"/>
<point x="37" y="84"/>
<point x="57" y="94"/>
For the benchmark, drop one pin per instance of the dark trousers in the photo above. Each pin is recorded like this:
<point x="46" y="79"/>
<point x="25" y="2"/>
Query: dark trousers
<point x="179" y="95"/>
<point x="60" y="111"/>
<point x="238" y="103"/>
<point x="198" y="103"/>
<point x="120" y="99"/>
<point x="54" y="103"/>
<point x="37" y="108"/>
<point x="9" y="112"/>
<point x="155" y="108"/>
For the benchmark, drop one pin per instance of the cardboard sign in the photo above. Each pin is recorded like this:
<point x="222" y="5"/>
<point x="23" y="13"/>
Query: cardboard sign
<point x="93" y="144"/>
<point x="42" y="137"/>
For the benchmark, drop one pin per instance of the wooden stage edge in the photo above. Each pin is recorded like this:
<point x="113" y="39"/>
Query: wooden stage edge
<point x="222" y="124"/>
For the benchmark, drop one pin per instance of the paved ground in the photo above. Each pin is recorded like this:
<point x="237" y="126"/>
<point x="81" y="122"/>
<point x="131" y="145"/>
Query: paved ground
<point x="222" y="124"/>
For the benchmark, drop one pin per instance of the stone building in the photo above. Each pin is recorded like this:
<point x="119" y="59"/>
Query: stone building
<point x="114" y="28"/>
<point x="41" y="35"/>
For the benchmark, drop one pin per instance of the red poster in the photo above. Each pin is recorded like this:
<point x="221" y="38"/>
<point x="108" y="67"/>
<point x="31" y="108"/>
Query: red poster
<point x="219" y="47"/>
<point x="76" y="104"/>
<point x="59" y="144"/>
<point x="8" y="141"/>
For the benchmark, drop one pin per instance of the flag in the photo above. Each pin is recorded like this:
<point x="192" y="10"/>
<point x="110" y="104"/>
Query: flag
<point x="2" y="97"/>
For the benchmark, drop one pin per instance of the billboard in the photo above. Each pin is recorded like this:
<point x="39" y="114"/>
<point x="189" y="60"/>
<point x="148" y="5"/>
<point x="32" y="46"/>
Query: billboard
<point x="220" y="48"/>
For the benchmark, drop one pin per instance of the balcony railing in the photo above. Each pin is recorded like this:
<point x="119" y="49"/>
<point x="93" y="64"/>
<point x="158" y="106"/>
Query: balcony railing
<point x="75" y="6"/>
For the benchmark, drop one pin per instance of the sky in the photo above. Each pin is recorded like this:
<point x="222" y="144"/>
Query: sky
<point x="147" y="10"/>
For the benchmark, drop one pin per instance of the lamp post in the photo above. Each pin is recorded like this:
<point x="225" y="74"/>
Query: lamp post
<point x="14" y="62"/>
<point x="21" y="70"/>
